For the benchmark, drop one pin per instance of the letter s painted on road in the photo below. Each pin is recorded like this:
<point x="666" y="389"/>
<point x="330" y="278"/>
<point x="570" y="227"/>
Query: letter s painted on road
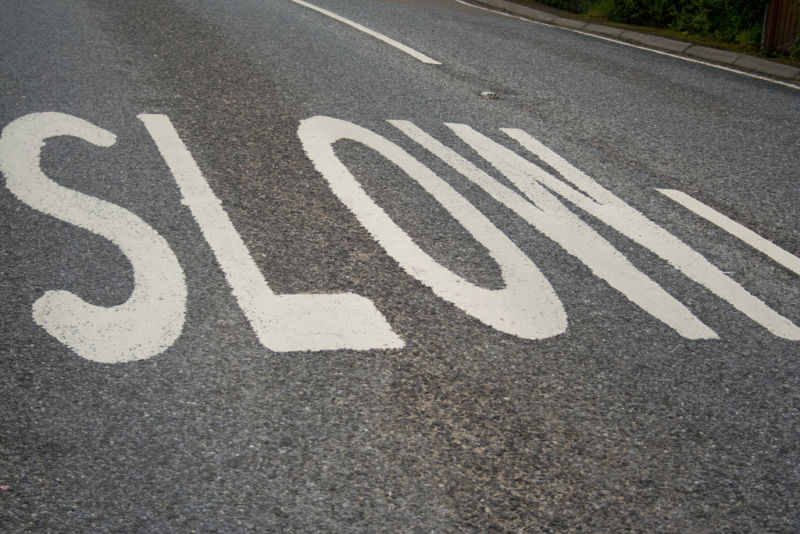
<point x="152" y="318"/>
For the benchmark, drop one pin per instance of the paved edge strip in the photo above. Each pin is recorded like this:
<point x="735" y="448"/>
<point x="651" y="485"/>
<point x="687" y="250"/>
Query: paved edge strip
<point x="765" y="66"/>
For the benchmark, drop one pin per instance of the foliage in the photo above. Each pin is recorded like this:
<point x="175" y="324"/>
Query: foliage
<point x="727" y="20"/>
<point x="643" y="12"/>
<point x="600" y="8"/>
<point x="576" y="6"/>
<point x="720" y="19"/>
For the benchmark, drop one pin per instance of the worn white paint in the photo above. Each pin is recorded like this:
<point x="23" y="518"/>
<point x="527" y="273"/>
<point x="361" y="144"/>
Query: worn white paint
<point x="527" y="306"/>
<point x="785" y="258"/>
<point x="604" y="205"/>
<point x="152" y="318"/>
<point x="305" y="322"/>
<point x="548" y="215"/>
<point x="388" y="40"/>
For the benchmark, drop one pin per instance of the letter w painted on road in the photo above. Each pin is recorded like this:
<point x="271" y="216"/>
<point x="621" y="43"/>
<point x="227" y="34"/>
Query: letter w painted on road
<point x="544" y="211"/>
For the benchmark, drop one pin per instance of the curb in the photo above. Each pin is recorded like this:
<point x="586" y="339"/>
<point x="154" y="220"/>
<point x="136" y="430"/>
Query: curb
<point x="724" y="57"/>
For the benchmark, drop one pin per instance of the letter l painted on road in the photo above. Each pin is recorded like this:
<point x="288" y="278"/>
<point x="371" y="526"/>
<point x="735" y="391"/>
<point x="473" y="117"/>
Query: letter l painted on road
<point x="305" y="322"/>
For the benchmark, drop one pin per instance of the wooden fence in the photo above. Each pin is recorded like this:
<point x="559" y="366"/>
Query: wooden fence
<point x="781" y="26"/>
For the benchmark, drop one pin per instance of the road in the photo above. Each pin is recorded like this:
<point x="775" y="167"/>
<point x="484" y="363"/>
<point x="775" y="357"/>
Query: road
<point x="262" y="271"/>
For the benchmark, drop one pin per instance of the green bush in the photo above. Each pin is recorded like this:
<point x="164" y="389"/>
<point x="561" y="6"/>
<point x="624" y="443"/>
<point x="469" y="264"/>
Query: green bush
<point x="735" y="21"/>
<point x="795" y="52"/>
<point x="727" y="20"/>
<point x="576" y="6"/>
<point x="723" y="20"/>
<point x="643" y="12"/>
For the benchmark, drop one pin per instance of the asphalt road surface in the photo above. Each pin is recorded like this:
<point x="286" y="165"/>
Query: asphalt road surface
<point x="265" y="271"/>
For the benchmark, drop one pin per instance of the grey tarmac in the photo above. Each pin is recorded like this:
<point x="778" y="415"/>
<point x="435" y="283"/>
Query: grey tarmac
<point x="615" y="423"/>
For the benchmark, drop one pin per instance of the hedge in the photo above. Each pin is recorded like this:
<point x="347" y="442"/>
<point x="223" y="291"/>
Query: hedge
<point x="726" y="20"/>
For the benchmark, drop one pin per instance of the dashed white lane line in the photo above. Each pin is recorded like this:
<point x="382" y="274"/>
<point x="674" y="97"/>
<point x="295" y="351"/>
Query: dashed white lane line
<point x="640" y="47"/>
<point x="788" y="260"/>
<point x="388" y="40"/>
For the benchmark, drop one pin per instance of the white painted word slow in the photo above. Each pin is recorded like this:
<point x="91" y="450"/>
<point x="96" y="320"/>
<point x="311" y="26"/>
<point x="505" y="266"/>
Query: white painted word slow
<point x="151" y="320"/>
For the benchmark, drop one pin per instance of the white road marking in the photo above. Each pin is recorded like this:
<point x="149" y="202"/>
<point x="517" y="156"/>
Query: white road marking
<point x="785" y="258"/>
<point x="548" y="215"/>
<point x="307" y="322"/>
<point x="388" y="40"/>
<point x="526" y="307"/>
<point x="613" y="211"/>
<point x="152" y="318"/>
<point x="639" y="47"/>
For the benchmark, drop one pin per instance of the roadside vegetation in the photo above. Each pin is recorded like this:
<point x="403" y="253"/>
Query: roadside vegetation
<point x="733" y="24"/>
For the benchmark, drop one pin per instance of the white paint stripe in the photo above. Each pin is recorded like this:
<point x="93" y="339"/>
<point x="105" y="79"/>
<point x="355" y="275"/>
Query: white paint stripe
<point x="498" y="12"/>
<point x="388" y="40"/>
<point x="785" y="258"/>
<point x="282" y="322"/>
<point x="640" y="47"/>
